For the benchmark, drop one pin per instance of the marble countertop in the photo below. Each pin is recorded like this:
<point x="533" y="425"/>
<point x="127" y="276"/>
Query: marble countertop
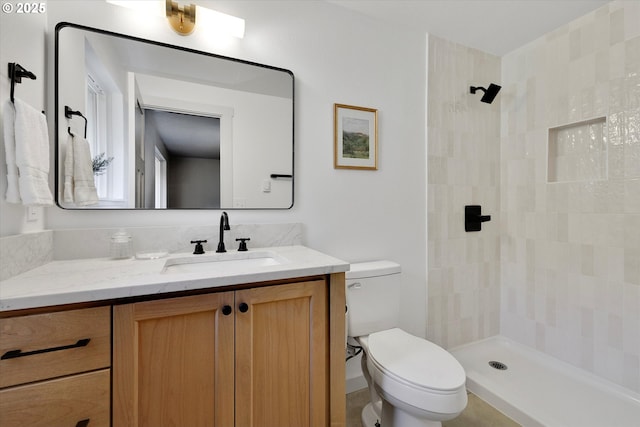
<point x="97" y="279"/>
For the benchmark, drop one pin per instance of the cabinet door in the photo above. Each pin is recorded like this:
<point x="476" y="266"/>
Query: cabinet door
<point x="281" y="356"/>
<point x="173" y="362"/>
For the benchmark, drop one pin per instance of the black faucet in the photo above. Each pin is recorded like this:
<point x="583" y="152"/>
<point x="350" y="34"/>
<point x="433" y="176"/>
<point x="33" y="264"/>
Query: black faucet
<point x="224" y="225"/>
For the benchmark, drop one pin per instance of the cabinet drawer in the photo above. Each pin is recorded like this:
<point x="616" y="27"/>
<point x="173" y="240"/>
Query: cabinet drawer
<point x="63" y="402"/>
<point x="43" y="346"/>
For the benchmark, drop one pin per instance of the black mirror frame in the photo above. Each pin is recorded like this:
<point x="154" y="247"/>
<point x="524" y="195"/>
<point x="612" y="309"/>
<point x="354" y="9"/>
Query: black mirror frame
<point x="57" y="188"/>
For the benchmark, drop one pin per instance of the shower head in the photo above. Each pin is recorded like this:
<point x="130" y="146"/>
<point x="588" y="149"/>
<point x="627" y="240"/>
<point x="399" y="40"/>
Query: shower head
<point x="489" y="94"/>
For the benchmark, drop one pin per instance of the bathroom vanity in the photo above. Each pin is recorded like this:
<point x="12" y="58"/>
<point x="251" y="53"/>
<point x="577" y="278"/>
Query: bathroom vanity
<point x="136" y="343"/>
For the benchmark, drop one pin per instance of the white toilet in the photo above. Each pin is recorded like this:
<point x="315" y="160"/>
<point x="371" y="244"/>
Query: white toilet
<point x="412" y="382"/>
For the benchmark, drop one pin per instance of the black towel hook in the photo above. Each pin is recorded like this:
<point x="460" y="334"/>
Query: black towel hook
<point x="68" y="113"/>
<point x="16" y="73"/>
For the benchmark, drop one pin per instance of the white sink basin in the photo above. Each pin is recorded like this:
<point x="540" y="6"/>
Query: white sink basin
<point x="223" y="263"/>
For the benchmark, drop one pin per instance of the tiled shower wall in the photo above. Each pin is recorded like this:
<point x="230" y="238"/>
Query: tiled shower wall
<point x="571" y="249"/>
<point x="463" y="169"/>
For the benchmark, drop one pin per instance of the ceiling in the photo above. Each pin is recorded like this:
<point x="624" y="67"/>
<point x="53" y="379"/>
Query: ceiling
<point x="493" y="26"/>
<point x="186" y="135"/>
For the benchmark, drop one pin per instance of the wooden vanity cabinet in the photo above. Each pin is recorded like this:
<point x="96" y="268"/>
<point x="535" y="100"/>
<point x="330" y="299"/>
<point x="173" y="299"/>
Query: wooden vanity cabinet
<point x="254" y="357"/>
<point x="54" y="369"/>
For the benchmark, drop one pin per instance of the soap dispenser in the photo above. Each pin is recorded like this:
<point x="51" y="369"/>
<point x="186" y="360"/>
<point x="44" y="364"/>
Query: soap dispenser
<point x="121" y="246"/>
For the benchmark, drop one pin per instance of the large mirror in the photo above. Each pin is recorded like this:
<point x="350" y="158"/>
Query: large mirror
<point x="155" y="126"/>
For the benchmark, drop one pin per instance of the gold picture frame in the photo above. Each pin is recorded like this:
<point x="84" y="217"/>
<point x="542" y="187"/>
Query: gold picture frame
<point x="355" y="133"/>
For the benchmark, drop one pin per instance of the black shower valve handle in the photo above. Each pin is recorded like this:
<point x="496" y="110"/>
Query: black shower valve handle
<point x="473" y="219"/>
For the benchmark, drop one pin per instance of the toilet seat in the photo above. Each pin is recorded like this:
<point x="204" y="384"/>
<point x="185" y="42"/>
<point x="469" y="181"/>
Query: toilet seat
<point x="415" y="361"/>
<point x="409" y="370"/>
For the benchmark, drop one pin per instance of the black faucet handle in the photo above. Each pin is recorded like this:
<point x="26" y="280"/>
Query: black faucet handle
<point x="243" y="244"/>
<point x="199" y="250"/>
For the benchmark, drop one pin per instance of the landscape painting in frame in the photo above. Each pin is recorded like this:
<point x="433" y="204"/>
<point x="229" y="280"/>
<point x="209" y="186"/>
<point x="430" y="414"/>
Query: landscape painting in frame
<point x="355" y="137"/>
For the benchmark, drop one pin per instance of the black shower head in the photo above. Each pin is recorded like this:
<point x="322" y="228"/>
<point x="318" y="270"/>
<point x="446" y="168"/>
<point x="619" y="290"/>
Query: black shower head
<point x="489" y="94"/>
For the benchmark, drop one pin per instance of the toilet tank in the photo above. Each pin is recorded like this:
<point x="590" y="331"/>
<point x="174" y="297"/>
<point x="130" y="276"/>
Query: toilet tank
<point x="373" y="297"/>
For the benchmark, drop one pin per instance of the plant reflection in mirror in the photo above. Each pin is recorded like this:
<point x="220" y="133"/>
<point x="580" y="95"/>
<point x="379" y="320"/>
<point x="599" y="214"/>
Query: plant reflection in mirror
<point x="100" y="164"/>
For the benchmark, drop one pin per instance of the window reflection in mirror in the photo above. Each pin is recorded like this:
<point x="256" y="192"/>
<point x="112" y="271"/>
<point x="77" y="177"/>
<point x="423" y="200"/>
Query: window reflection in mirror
<point x="173" y="128"/>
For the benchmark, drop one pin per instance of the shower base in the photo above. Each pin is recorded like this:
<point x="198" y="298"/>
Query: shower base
<point x="541" y="391"/>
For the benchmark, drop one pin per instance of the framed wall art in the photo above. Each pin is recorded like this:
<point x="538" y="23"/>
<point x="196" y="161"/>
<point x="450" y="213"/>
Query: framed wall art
<point x="355" y="137"/>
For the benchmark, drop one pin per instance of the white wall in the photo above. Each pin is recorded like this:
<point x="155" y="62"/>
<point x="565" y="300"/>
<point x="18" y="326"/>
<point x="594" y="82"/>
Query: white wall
<point x="337" y="56"/>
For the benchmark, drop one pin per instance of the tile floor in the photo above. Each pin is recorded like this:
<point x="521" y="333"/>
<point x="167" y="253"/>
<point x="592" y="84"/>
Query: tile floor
<point x="477" y="413"/>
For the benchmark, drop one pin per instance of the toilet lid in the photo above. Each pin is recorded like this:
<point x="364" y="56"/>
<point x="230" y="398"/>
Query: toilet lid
<point x="415" y="360"/>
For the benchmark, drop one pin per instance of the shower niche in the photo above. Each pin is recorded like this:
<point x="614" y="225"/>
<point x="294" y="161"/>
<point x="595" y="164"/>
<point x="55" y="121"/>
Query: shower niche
<point x="578" y="151"/>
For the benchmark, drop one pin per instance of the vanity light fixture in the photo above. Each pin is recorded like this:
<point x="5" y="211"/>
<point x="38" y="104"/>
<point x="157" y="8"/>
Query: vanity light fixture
<point x="182" y="18"/>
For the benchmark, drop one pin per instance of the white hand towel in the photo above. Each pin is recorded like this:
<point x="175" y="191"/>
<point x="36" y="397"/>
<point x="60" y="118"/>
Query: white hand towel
<point x="9" y="116"/>
<point x="68" y="171"/>
<point x="32" y="155"/>
<point x="79" y="184"/>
